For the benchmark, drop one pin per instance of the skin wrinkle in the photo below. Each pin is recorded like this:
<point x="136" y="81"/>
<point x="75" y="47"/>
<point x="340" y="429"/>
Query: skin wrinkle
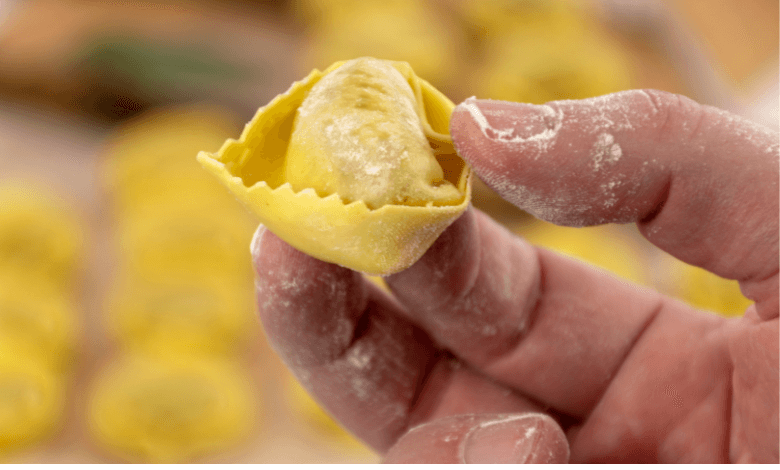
<point x="700" y="118"/>
<point x="510" y="295"/>
<point x="631" y="347"/>
<point x="421" y="406"/>
<point x="727" y="418"/>
<point x="345" y="296"/>
<point x="693" y="392"/>
<point x="765" y="294"/>
<point x="527" y="312"/>
<point x="727" y="401"/>
<point x="465" y="291"/>
<point x="365" y="365"/>
<point x="662" y="130"/>
<point x="471" y="314"/>
<point x="755" y="388"/>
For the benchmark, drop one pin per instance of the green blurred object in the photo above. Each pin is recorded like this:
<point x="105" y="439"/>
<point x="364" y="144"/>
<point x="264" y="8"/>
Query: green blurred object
<point x="125" y="75"/>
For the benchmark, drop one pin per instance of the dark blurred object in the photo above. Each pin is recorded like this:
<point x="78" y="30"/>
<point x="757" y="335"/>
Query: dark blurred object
<point x="111" y="60"/>
<point x="119" y="77"/>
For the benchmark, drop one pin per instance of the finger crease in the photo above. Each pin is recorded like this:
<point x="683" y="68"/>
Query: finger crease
<point x="458" y="301"/>
<point x="632" y="345"/>
<point x="658" y="206"/>
<point x="416" y="415"/>
<point x="530" y="314"/>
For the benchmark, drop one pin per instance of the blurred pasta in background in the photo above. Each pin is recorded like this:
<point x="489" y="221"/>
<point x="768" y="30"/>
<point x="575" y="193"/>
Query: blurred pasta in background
<point x="406" y="30"/>
<point x="182" y="307"/>
<point x="142" y="344"/>
<point x="41" y="249"/>
<point x="538" y="51"/>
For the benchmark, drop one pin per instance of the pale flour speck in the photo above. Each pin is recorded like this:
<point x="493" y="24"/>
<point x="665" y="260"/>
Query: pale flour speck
<point x="605" y="151"/>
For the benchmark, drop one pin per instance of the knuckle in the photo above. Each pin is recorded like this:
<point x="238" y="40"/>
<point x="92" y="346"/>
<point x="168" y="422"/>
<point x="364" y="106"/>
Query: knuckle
<point x="677" y="117"/>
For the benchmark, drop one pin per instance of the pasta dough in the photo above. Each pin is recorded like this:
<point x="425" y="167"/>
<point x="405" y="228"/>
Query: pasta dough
<point x="267" y="168"/>
<point x="357" y="134"/>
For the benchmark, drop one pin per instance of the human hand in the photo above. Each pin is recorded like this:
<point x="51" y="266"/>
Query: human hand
<point x="486" y="338"/>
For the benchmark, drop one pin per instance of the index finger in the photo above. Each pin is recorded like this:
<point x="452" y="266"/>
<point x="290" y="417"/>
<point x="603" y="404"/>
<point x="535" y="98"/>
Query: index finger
<point x="701" y="183"/>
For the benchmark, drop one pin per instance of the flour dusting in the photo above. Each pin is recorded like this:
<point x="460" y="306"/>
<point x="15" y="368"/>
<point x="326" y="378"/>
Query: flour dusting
<point x="358" y="134"/>
<point x="605" y="151"/>
<point x="551" y="117"/>
<point x="563" y="209"/>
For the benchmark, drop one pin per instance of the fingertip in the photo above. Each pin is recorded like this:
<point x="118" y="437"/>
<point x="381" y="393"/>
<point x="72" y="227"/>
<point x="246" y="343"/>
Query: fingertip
<point x="483" y="438"/>
<point x="507" y="145"/>
<point x="528" y="438"/>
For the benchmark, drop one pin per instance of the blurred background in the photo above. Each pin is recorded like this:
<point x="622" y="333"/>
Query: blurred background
<point x="127" y="326"/>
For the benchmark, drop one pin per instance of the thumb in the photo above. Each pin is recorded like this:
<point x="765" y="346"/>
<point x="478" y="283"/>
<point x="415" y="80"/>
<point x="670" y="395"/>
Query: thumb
<point x="484" y="438"/>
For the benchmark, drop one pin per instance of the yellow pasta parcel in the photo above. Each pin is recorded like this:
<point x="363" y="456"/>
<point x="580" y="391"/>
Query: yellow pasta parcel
<point x="148" y="162"/>
<point x="38" y="320"/>
<point x="187" y="244"/>
<point x="163" y="142"/>
<point x="487" y="22"/>
<point x="538" y="69"/>
<point x="405" y="30"/>
<point x="172" y="409"/>
<point x="31" y="399"/>
<point x="354" y="166"/>
<point x="40" y="235"/>
<point x="170" y="193"/>
<point x="180" y="315"/>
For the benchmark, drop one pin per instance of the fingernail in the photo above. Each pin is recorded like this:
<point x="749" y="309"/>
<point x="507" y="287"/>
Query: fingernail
<point x="515" y="439"/>
<point x="505" y="121"/>
<point x="256" y="244"/>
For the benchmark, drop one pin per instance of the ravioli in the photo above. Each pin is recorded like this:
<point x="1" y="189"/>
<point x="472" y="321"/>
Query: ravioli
<point x="353" y="166"/>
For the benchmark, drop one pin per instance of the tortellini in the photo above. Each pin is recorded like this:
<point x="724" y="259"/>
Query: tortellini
<point x="186" y="315"/>
<point x="357" y="134"/>
<point x="38" y="323"/>
<point x="31" y="399"/>
<point x="171" y="409"/>
<point x="40" y="234"/>
<point x="353" y="166"/>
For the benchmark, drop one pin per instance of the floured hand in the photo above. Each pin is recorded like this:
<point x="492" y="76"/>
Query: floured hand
<point x="492" y="350"/>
